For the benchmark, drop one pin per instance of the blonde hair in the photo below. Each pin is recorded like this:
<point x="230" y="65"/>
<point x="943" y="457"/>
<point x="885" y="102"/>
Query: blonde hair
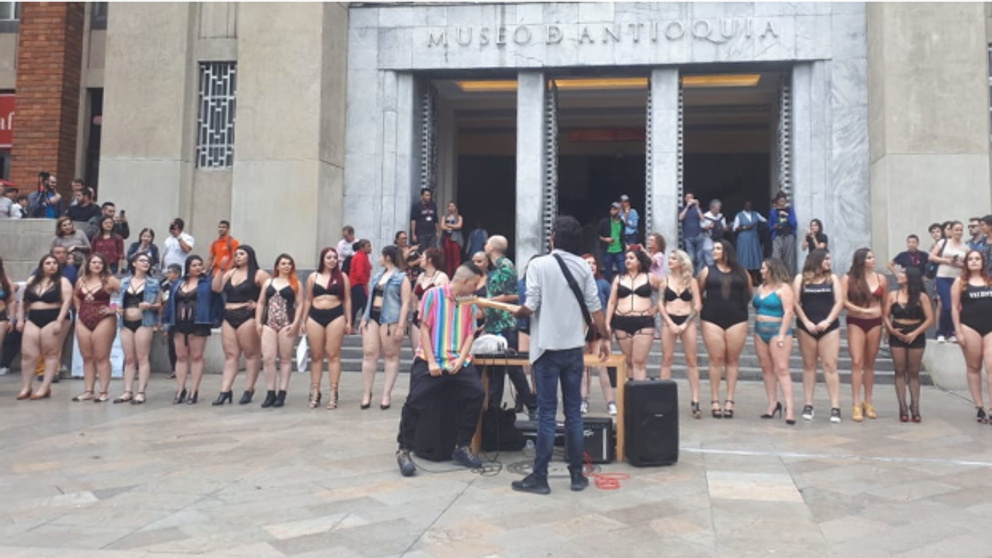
<point x="686" y="263"/>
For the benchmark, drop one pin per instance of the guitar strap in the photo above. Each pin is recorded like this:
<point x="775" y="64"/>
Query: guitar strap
<point x="591" y="331"/>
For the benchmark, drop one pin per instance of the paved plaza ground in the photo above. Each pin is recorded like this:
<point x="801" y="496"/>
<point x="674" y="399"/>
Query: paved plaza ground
<point x="80" y="479"/>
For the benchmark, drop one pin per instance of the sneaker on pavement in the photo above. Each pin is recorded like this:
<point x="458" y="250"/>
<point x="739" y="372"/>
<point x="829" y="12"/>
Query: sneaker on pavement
<point x="407" y="468"/>
<point x="611" y="408"/>
<point x="579" y="482"/>
<point x="463" y="456"/>
<point x="4" y="371"/>
<point x="532" y="485"/>
<point x="532" y="413"/>
<point x="835" y="415"/>
<point x="584" y="408"/>
<point x="952" y="339"/>
<point x="808" y="412"/>
<point x="941" y="340"/>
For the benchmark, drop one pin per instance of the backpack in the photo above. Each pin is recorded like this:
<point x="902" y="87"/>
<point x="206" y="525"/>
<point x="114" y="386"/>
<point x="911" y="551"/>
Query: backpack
<point x="718" y="231"/>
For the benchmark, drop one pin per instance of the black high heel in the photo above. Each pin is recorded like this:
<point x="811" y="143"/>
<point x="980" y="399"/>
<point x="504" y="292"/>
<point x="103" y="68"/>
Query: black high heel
<point x="280" y="399"/>
<point x="728" y="413"/>
<point x="246" y="397"/>
<point x="193" y="398"/>
<point x="367" y="405"/>
<point x="982" y="419"/>
<point x="696" y="413"/>
<point x="180" y="397"/>
<point x="776" y="410"/>
<point x="717" y="412"/>
<point x="270" y="399"/>
<point x="224" y="397"/>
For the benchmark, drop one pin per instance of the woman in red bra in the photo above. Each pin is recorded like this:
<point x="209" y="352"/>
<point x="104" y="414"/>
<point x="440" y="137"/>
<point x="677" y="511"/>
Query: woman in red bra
<point x="431" y="276"/>
<point x="97" y="324"/>
<point x="864" y="290"/>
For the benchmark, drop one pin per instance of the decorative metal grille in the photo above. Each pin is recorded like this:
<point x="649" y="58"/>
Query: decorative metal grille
<point x="428" y="139"/>
<point x="215" y="122"/>
<point x="550" y="210"/>
<point x="785" y="139"/>
<point x="648" y="177"/>
<point x="680" y="157"/>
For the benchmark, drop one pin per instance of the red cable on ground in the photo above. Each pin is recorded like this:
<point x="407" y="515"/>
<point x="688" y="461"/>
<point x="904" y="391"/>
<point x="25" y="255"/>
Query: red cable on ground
<point x="603" y="481"/>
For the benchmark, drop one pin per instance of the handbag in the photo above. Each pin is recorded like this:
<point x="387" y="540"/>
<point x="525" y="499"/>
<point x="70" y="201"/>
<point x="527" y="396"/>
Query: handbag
<point x="931" y="271"/>
<point x="590" y="333"/>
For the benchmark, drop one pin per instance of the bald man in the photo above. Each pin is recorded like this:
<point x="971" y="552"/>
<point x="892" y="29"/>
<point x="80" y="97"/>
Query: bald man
<point x="501" y="286"/>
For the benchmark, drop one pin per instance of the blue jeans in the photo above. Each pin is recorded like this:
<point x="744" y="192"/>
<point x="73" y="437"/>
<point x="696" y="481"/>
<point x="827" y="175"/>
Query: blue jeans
<point x="609" y="262"/>
<point x="695" y="247"/>
<point x="945" y="325"/>
<point x="554" y="366"/>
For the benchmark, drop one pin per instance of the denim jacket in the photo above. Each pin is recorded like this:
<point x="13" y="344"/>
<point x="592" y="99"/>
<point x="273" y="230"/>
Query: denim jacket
<point x="149" y="318"/>
<point x="391" y="300"/>
<point x="209" y="305"/>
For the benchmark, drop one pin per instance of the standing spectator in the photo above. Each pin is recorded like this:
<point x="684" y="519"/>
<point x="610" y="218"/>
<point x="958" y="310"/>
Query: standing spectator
<point x="501" y="286"/>
<point x="692" y="230"/>
<point x="120" y="222"/>
<point x="76" y="244"/>
<point x="177" y="247"/>
<point x="7" y="202"/>
<point x="424" y="226"/>
<point x="782" y="220"/>
<point x="172" y="274"/>
<point x="452" y="239"/>
<point x="985" y="247"/>
<point x="44" y="202"/>
<point x="610" y="233"/>
<point x="346" y="248"/>
<point x="144" y="245"/>
<point x="69" y="271"/>
<point x="359" y="273"/>
<point x="20" y="208"/>
<point x="78" y="186"/>
<point x="659" y="268"/>
<point x="476" y="239"/>
<point x="557" y="342"/>
<point x="83" y="209"/>
<point x="222" y="250"/>
<point x="630" y="221"/>
<point x="913" y="257"/>
<point x="109" y="244"/>
<point x="749" y="251"/>
<point x="949" y="254"/>
<point x="975" y="230"/>
<point x="814" y="238"/>
<point x="402" y="243"/>
<point x="714" y="229"/>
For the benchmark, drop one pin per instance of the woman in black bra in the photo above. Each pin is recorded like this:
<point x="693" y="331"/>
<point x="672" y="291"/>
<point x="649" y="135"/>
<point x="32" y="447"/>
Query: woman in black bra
<point x="971" y="311"/>
<point x="726" y="291"/>
<point x="190" y="313"/>
<point x="907" y="316"/>
<point x="679" y="304"/>
<point x="96" y="325"/>
<point x="430" y="276"/>
<point x="141" y="299"/>
<point x="279" y="315"/>
<point x="328" y="319"/>
<point x="818" y="304"/>
<point x="242" y="286"/>
<point x="47" y="298"/>
<point x="630" y="312"/>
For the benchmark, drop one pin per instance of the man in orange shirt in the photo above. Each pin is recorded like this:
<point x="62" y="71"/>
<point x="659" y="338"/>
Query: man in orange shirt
<point x="221" y="248"/>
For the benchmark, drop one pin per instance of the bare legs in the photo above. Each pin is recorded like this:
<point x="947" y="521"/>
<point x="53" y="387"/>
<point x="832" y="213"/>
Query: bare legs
<point x="235" y="342"/>
<point x="724" y="347"/>
<point x="688" y="339"/>
<point x="391" y="354"/>
<point x="977" y="351"/>
<point x="827" y="349"/>
<point x="189" y="353"/>
<point x="863" y="348"/>
<point x="39" y="343"/>
<point x="775" y="372"/>
<point x="635" y="349"/>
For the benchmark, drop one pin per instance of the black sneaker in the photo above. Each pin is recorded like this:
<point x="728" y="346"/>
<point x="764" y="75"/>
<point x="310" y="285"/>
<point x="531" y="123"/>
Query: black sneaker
<point x="407" y="468"/>
<point x="463" y="456"/>
<point x="579" y="482"/>
<point x="532" y="413"/>
<point x="532" y="485"/>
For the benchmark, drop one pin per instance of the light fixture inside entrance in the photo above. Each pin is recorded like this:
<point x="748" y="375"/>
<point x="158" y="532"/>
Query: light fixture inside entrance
<point x="721" y="80"/>
<point x="575" y="84"/>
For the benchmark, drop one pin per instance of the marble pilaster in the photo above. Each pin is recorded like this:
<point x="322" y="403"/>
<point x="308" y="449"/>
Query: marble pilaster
<point x="811" y="139"/>
<point x="531" y="91"/>
<point x="664" y="132"/>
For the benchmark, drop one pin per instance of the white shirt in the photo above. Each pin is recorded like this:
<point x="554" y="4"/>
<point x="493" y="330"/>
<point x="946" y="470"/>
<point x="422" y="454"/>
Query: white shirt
<point x="550" y="298"/>
<point x="16" y="211"/>
<point x="5" y="205"/>
<point x="172" y="252"/>
<point x="345" y="249"/>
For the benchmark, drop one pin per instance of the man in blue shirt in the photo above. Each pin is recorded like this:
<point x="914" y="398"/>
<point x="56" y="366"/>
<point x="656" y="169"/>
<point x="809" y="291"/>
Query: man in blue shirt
<point x="45" y="201"/>
<point x="692" y="230"/>
<point x="630" y="220"/>
<point x="975" y="230"/>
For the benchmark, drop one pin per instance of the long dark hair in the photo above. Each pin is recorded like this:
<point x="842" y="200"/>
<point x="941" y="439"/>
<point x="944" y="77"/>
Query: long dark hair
<point x="813" y="268"/>
<point x="4" y="282"/>
<point x="104" y="272"/>
<point x="294" y="282"/>
<point x="100" y="232"/>
<point x="392" y="253"/>
<point x="40" y="273"/>
<point x="189" y="261"/>
<point x="730" y="260"/>
<point x="983" y="273"/>
<point x="914" y="285"/>
<point x="253" y="266"/>
<point x="336" y="276"/>
<point x="643" y="260"/>
<point x="857" y="284"/>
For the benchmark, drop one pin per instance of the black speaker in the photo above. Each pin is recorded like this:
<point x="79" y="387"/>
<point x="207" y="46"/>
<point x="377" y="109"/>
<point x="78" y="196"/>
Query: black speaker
<point x="651" y="415"/>
<point x="437" y="430"/>
<point x="597" y="432"/>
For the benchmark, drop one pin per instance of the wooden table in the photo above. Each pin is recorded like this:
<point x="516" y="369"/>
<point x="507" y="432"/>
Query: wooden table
<point x="615" y="360"/>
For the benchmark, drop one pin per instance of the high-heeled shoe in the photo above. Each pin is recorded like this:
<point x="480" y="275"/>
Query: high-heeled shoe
<point x="727" y="412"/>
<point x="224" y="397"/>
<point x="270" y="398"/>
<point x="856" y="414"/>
<point x="180" y="397"/>
<point x="777" y="410"/>
<point x="193" y="399"/>
<point x="314" y="398"/>
<point x="915" y="410"/>
<point x="332" y="399"/>
<point x="366" y="405"/>
<point x="39" y="395"/>
<point x="790" y="422"/>
<point x="869" y="410"/>
<point x="982" y="419"/>
<point x="385" y="406"/>
<point x="715" y="410"/>
<point x="903" y="414"/>
<point x="280" y="399"/>
<point x="246" y="397"/>
<point x="696" y="413"/>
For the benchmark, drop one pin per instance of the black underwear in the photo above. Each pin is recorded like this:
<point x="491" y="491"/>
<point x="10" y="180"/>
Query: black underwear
<point x="326" y="316"/>
<point x="834" y="325"/>
<point x="43" y="317"/>
<point x="236" y="317"/>
<point x="4" y="317"/>
<point x="679" y="320"/>
<point x="375" y="314"/>
<point x="133" y="325"/>
<point x="632" y="324"/>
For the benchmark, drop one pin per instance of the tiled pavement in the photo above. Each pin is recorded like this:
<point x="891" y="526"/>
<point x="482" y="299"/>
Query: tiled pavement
<point x="80" y="479"/>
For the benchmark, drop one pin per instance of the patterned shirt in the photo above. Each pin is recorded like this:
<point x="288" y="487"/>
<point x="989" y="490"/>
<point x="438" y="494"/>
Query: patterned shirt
<point x="502" y="280"/>
<point x="450" y="324"/>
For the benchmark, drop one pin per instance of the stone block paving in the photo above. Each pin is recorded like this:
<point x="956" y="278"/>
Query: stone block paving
<point x="85" y="479"/>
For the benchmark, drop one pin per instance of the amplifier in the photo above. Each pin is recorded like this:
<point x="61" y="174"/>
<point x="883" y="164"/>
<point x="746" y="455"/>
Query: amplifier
<point x="597" y="433"/>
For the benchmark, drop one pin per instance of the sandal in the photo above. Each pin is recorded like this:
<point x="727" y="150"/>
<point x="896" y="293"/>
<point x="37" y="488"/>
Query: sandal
<point x="716" y="411"/>
<point x="85" y="396"/>
<point x="696" y="413"/>
<point x="728" y="413"/>
<point x="332" y="400"/>
<point x="314" y="398"/>
<point x="126" y="398"/>
<point x="102" y="399"/>
<point x="139" y="398"/>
